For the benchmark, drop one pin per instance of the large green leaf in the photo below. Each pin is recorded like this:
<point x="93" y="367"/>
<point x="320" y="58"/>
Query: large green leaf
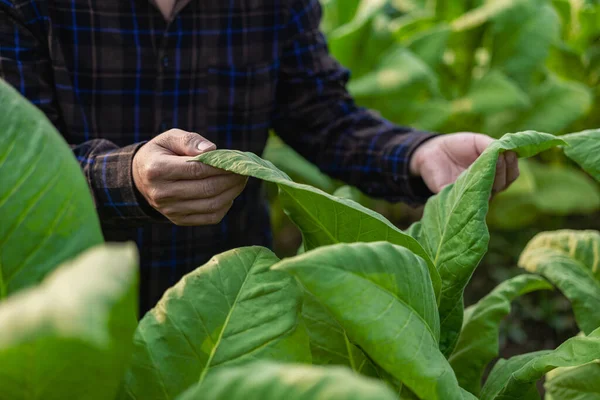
<point x="493" y="93"/>
<point x="555" y="185"/>
<point x="570" y="260"/>
<point x="431" y="45"/>
<point x="270" y="381"/>
<point x="398" y="71"/>
<point x="574" y="383"/>
<point x="297" y="167"/>
<point x="478" y="343"/>
<point x="323" y="219"/>
<point x="345" y="42"/>
<point x="375" y="44"/>
<point x="70" y="336"/>
<point x="515" y="379"/>
<point x="544" y="189"/>
<point x="515" y="207"/>
<point x="522" y="38"/>
<point x="432" y="115"/>
<point x="555" y="105"/>
<point x="584" y="149"/>
<point x="232" y="310"/>
<point x="329" y="343"/>
<point x="453" y="229"/>
<point x="567" y="63"/>
<point x="337" y="13"/>
<point x="382" y="296"/>
<point x="47" y="212"/>
<point x="502" y="371"/>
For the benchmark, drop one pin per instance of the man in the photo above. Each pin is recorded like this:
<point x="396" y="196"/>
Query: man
<point x="137" y="87"/>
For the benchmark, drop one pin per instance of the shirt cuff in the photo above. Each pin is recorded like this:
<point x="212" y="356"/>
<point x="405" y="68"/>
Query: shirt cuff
<point x="115" y="193"/>
<point x="403" y="186"/>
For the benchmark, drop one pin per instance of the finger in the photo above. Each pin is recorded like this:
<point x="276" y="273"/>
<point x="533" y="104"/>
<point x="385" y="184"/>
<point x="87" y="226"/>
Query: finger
<point x="481" y="142"/>
<point x="437" y="180"/>
<point x="500" y="179"/>
<point x="207" y="188"/>
<point x="203" y="206"/>
<point x="512" y="167"/>
<point x="184" y="143"/>
<point x="203" y="219"/>
<point x="174" y="168"/>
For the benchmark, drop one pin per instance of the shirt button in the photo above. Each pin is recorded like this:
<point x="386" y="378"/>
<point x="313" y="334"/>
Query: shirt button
<point x="165" y="61"/>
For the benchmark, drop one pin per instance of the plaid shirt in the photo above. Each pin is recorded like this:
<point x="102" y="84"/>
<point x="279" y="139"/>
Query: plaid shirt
<point x="112" y="74"/>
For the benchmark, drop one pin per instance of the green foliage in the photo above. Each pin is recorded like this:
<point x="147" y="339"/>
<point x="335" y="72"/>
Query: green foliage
<point x="570" y="260"/>
<point x="574" y="383"/>
<point x="331" y="219"/>
<point x="510" y="380"/>
<point x="70" y="336"/>
<point x="270" y="381"/>
<point x="365" y="298"/>
<point x="230" y="311"/>
<point x="541" y="57"/>
<point x="378" y="293"/>
<point x="295" y="166"/>
<point x="584" y="148"/>
<point x="453" y="229"/>
<point x="544" y="189"/>
<point x="454" y="235"/>
<point x="481" y="66"/>
<point x="478" y="344"/>
<point x="47" y="212"/>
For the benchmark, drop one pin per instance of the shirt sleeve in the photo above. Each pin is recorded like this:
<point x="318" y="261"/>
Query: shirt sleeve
<point x="26" y="65"/>
<point x="317" y="116"/>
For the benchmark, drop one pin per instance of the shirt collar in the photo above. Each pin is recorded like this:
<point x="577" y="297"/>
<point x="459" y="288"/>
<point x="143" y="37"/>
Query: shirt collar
<point x="179" y="5"/>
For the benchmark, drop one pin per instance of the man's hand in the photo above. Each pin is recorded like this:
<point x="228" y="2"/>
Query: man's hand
<point x="442" y="159"/>
<point x="187" y="193"/>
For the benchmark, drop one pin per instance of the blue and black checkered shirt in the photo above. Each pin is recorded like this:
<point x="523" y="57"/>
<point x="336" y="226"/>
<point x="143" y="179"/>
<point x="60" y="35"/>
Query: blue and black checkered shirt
<point x="112" y="74"/>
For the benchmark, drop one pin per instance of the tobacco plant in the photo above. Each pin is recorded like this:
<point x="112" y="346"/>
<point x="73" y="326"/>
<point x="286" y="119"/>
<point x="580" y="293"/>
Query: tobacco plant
<point x="491" y="66"/>
<point x="367" y="311"/>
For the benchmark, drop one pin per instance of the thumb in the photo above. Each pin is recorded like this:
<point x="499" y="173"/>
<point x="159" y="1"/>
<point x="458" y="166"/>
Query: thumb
<point x="481" y="142"/>
<point x="183" y="143"/>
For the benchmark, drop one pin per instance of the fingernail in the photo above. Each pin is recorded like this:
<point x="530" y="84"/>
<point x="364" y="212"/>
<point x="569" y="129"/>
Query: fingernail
<point x="206" y="145"/>
<point x="501" y="162"/>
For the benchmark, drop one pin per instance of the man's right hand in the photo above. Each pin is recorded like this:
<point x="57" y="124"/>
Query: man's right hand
<point x="187" y="193"/>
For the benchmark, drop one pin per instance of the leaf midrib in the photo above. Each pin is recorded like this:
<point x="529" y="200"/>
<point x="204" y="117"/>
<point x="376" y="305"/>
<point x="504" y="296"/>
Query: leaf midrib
<point x="382" y="289"/>
<point x="307" y="211"/>
<point x="207" y="366"/>
<point x="447" y="221"/>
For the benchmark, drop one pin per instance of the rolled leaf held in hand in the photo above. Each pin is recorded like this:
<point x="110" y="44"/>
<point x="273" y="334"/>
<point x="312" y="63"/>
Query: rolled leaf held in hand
<point x="453" y="229"/>
<point x="323" y="219"/>
<point x="584" y="149"/>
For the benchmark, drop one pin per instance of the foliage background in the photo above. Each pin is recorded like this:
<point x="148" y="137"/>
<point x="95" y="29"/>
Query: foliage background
<point x="491" y="66"/>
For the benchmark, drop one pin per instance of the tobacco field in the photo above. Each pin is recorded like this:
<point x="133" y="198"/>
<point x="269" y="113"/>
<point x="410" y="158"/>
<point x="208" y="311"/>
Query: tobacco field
<point x="363" y="309"/>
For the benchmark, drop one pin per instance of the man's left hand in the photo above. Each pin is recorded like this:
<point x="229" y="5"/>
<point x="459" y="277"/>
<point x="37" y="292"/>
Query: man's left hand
<point x="442" y="159"/>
